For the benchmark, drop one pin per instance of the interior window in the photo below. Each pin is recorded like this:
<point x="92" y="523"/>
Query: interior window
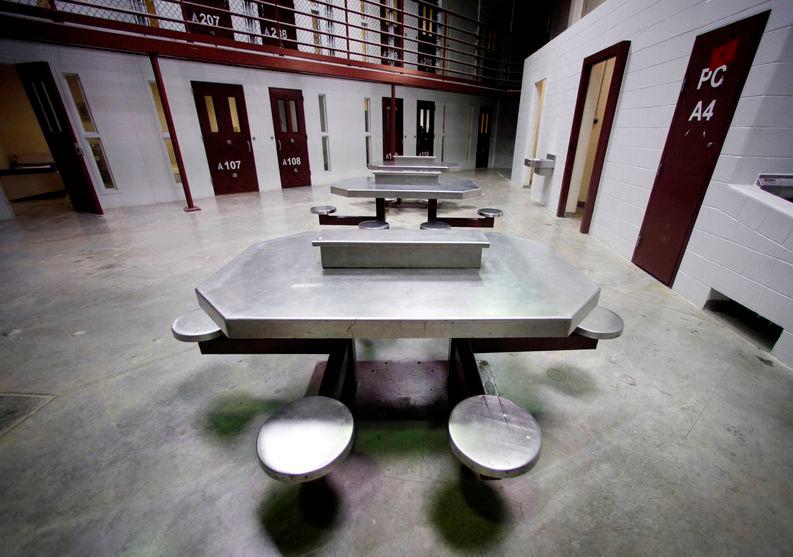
<point x="235" y="119"/>
<point x="293" y="115"/>
<point x="282" y="115"/>
<point x="213" y="119"/>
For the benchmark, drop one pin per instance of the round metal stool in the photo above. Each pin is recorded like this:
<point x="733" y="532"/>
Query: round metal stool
<point x="601" y="323"/>
<point x="494" y="437"/>
<point x="490" y="212"/>
<point x="323" y="209"/>
<point x="435" y="225"/>
<point x="373" y="225"/>
<point x="195" y="326"/>
<point x="304" y="439"/>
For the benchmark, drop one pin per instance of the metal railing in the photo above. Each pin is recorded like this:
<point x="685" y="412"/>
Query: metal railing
<point x="392" y="35"/>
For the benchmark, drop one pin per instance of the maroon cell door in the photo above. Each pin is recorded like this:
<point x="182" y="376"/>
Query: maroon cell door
<point x="387" y="155"/>
<point x="291" y="141"/>
<point x="51" y="114"/>
<point x="425" y="128"/>
<point x="227" y="138"/>
<point x="483" y="137"/>
<point x="278" y="23"/>
<point x="712" y="85"/>
<point x="208" y="17"/>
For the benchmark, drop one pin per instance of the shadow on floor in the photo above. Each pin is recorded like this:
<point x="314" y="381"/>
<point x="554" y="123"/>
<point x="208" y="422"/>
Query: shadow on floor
<point x="303" y="518"/>
<point x="400" y="437"/>
<point x="229" y="415"/>
<point x="470" y="514"/>
<point x="300" y="518"/>
<point x="571" y="380"/>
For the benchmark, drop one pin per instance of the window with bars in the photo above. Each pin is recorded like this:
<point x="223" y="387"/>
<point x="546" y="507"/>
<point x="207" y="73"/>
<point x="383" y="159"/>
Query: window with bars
<point x="90" y="132"/>
<point x="322" y="24"/>
<point x="165" y="135"/>
<point x="443" y="134"/>
<point x="323" y="129"/>
<point x="367" y="128"/>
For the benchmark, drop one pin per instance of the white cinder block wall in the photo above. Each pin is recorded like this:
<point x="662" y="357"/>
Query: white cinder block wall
<point x="117" y="89"/>
<point x="742" y="243"/>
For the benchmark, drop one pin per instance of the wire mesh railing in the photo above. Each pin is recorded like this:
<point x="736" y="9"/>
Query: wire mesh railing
<point x="409" y="34"/>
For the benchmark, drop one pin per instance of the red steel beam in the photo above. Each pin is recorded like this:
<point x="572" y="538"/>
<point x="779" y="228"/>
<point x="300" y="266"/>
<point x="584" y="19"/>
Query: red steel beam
<point x="177" y="151"/>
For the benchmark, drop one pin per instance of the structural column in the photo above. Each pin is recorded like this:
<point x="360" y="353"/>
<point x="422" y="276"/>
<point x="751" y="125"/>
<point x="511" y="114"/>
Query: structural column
<point x="166" y="108"/>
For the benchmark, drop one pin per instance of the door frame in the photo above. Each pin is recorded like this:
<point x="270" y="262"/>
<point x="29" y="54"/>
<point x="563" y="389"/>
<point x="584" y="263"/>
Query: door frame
<point x="619" y="52"/>
<point x="272" y="94"/>
<point x="488" y="109"/>
<point x="242" y="114"/>
<point x="431" y="106"/>
<point x="60" y="108"/>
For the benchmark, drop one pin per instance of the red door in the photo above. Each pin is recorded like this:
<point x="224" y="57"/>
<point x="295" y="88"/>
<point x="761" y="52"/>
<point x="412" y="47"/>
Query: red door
<point x="227" y="138"/>
<point x="209" y="17"/>
<point x="291" y="141"/>
<point x="278" y="23"/>
<point x="712" y="85"/>
<point x="387" y="155"/>
<point x="425" y="128"/>
<point x="483" y="137"/>
<point x="46" y="101"/>
<point x="391" y="32"/>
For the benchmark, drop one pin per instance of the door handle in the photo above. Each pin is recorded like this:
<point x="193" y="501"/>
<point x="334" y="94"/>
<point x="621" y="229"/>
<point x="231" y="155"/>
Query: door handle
<point x="279" y="144"/>
<point x="249" y="145"/>
<point x="77" y="149"/>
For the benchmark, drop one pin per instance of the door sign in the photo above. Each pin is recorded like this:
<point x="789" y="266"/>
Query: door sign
<point x="711" y="78"/>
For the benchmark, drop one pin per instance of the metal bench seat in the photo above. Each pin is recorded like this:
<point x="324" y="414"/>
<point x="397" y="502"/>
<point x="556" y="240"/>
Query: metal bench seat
<point x="601" y="323"/>
<point x="304" y="439"/>
<point x="195" y="326"/>
<point x="435" y="225"/>
<point x="323" y="209"/>
<point x="490" y="212"/>
<point x="373" y="225"/>
<point x="494" y="437"/>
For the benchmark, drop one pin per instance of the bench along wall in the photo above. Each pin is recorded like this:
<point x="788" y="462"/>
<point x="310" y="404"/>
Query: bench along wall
<point x="117" y="88"/>
<point x="662" y="35"/>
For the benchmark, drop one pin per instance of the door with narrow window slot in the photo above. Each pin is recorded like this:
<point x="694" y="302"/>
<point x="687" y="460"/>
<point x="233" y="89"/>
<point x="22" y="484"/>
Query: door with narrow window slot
<point x="717" y="70"/>
<point x="483" y="137"/>
<point x="227" y="138"/>
<point x="387" y="154"/>
<point x="291" y="141"/>
<point x="428" y="13"/>
<point x="278" y="23"/>
<point x="50" y="111"/>
<point x="425" y="128"/>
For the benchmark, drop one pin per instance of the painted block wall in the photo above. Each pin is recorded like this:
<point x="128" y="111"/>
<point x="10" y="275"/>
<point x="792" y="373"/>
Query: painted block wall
<point x="117" y="89"/>
<point x="760" y="138"/>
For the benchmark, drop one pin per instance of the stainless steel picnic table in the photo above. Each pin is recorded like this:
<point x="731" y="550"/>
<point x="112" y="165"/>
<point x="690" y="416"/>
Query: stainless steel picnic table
<point x="277" y="298"/>
<point x="430" y="189"/>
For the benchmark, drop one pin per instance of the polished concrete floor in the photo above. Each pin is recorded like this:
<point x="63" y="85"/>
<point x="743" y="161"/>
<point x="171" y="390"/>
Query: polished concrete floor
<point x="675" y="439"/>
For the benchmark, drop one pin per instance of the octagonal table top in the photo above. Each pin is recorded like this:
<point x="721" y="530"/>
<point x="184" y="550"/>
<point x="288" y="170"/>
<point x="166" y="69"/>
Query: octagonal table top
<point x="278" y="289"/>
<point x="367" y="187"/>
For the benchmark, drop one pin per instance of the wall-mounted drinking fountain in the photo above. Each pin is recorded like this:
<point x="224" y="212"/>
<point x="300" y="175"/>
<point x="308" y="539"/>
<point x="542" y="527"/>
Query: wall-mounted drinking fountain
<point x="543" y="167"/>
